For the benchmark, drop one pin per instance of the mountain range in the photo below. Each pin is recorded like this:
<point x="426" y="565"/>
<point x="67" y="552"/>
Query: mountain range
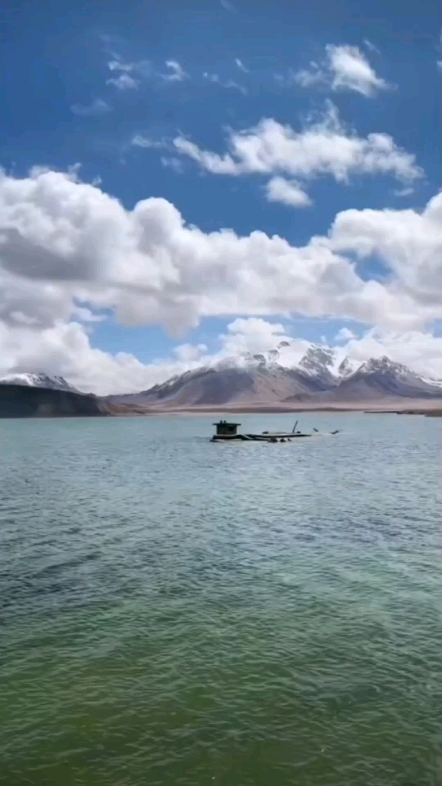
<point x="265" y="379"/>
<point x="321" y="378"/>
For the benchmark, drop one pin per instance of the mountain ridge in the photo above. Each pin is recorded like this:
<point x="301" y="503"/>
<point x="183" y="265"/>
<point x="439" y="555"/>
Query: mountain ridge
<point x="323" y="375"/>
<point x="320" y="376"/>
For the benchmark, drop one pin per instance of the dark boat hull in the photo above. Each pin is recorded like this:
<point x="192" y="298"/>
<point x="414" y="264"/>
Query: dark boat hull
<point x="257" y="437"/>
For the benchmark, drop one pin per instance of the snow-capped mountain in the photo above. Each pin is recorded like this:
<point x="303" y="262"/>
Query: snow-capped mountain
<point x="277" y="376"/>
<point x="383" y="377"/>
<point x="321" y="375"/>
<point x="318" y="358"/>
<point x="37" y="381"/>
<point x="322" y="363"/>
<point x="347" y="367"/>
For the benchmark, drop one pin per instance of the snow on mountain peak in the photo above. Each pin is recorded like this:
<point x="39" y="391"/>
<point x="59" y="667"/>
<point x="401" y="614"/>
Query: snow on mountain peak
<point x="36" y="381"/>
<point x="383" y="364"/>
<point x="321" y="362"/>
<point x="318" y="357"/>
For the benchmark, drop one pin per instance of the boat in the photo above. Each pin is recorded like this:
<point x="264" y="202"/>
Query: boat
<point x="227" y="432"/>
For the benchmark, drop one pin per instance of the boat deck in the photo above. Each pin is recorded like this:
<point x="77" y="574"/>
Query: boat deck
<point x="263" y="437"/>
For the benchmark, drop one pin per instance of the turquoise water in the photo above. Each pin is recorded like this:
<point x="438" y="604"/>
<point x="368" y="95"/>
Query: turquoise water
<point x="180" y="612"/>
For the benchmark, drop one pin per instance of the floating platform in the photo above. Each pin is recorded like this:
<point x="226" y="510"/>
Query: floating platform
<point x="227" y="432"/>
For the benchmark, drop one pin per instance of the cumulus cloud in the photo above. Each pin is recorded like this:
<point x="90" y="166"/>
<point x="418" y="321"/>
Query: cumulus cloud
<point x="66" y="245"/>
<point x="410" y="244"/>
<point x="344" y="334"/>
<point x="287" y="192"/>
<point x="322" y="148"/>
<point x="251" y="335"/>
<point x="419" y="350"/>
<point x="352" y="71"/>
<point x="151" y="266"/>
<point x="65" y="349"/>
<point x="343" y="68"/>
<point x="97" y="107"/>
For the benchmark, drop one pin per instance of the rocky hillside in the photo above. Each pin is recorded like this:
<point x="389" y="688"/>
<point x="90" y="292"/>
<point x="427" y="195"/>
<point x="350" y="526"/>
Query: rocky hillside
<point x="25" y="401"/>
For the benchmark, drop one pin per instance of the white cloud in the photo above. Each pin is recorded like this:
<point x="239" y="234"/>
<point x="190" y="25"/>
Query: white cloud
<point x="409" y="243"/>
<point x="287" y="192"/>
<point x="66" y="245"/>
<point x="124" y="82"/>
<point x="214" y="163"/>
<point x="370" y="46"/>
<point x="420" y="351"/>
<point x="229" y="84"/>
<point x="352" y="71"/>
<point x="97" y="107"/>
<point x="345" y="334"/>
<point x="140" y="140"/>
<point x="403" y="192"/>
<point x="73" y="238"/>
<point x="118" y="65"/>
<point x="306" y="77"/>
<point x="173" y="163"/>
<point x="322" y="148"/>
<point x="86" y="315"/>
<point x="140" y="67"/>
<point x="65" y="350"/>
<point x="144" y="70"/>
<point x="190" y="353"/>
<point x="176" y="72"/>
<point x="344" y="68"/>
<point x="241" y="65"/>
<point x="255" y="335"/>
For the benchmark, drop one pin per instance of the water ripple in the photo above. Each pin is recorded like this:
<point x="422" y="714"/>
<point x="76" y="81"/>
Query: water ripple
<point x="178" y="612"/>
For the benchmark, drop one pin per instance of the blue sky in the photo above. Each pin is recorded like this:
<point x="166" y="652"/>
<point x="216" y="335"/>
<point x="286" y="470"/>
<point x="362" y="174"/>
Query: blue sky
<point x="113" y="88"/>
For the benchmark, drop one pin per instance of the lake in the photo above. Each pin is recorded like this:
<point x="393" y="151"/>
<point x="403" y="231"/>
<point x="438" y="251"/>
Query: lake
<point x="175" y="611"/>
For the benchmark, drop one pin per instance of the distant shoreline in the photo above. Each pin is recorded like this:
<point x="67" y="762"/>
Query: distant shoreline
<point x="429" y="408"/>
<point x="19" y="401"/>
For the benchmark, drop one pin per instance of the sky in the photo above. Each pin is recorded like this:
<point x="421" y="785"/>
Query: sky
<point x="186" y="181"/>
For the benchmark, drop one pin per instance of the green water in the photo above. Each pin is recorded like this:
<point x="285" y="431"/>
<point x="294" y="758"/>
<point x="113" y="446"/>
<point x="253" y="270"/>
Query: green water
<point x="180" y="612"/>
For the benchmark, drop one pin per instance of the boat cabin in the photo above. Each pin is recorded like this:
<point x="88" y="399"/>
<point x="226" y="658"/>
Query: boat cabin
<point x="224" y="429"/>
